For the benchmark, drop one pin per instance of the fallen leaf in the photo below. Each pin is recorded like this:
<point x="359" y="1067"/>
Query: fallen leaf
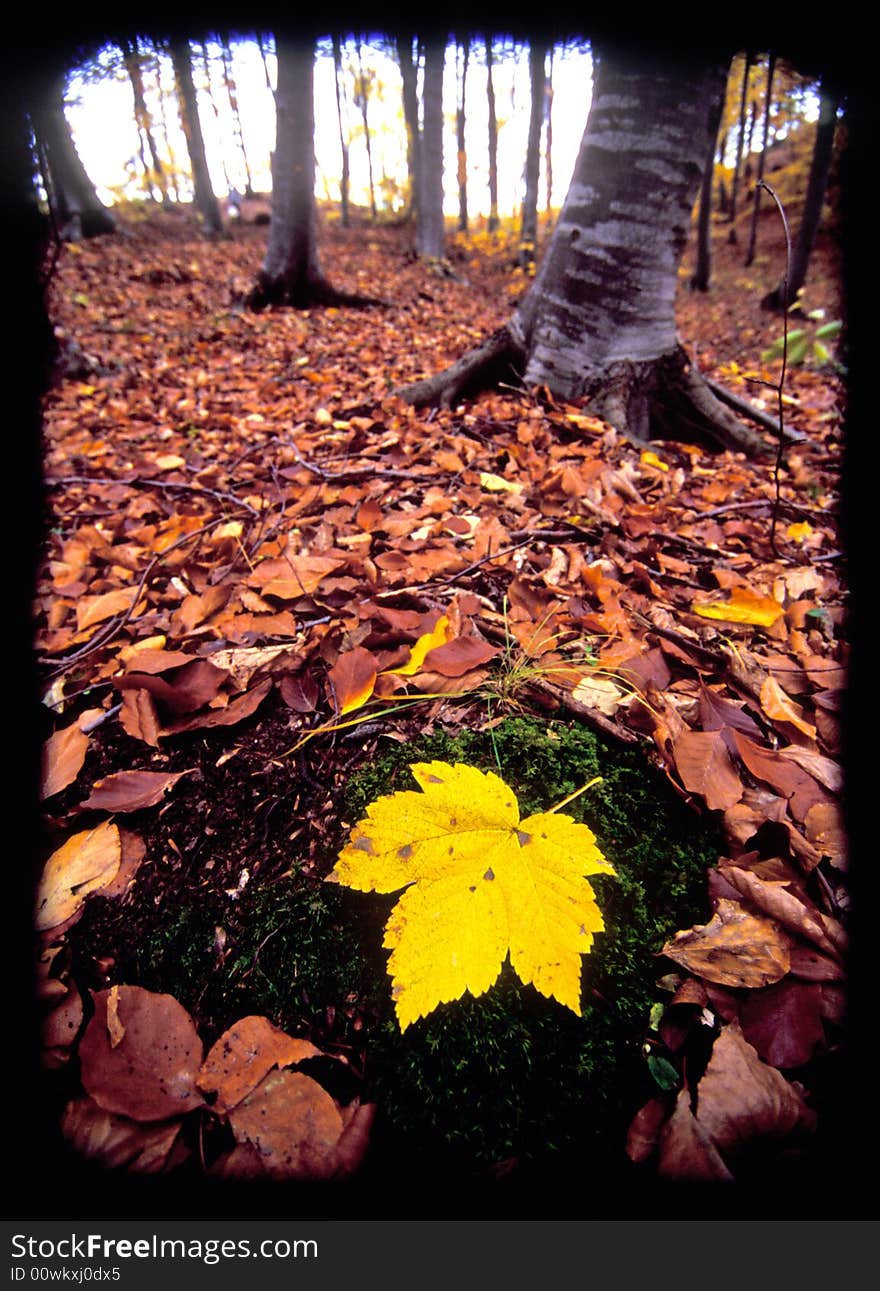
<point x="703" y="762"/>
<point x="784" y="1022"/>
<point x="687" y="1152"/>
<point x="353" y="678"/>
<point x="742" y="606"/>
<point x="483" y="883"/>
<point x="63" y="756"/>
<point x="84" y="864"/>
<point x="117" y="1142"/>
<point x="293" y="1123"/>
<point x="131" y="790"/>
<point x="777" y="705"/>
<point x="599" y="693"/>
<point x="741" y="1099"/>
<point x="734" y="949"/>
<point x="244" y="1054"/>
<point x="150" y="1074"/>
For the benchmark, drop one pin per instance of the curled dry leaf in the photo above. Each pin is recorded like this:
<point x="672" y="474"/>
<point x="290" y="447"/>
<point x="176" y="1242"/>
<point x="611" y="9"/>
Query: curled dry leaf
<point x="116" y="1141"/>
<point x="84" y="864"/>
<point x="796" y="915"/>
<point x="131" y="790"/>
<point x="150" y="1072"/>
<point x="734" y="949"/>
<point x="740" y="1098"/>
<point x="244" y="1054"/>
<point x="686" y="1149"/>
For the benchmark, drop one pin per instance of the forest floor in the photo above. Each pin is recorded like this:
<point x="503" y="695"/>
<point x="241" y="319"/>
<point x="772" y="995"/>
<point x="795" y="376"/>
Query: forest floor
<point x="268" y="581"/>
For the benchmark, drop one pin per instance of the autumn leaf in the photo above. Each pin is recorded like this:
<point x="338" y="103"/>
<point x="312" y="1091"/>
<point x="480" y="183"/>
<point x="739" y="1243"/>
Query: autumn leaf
<point x="742" y="606"/>
<point x="86" y="862"/>
<point x="428" y="641"/>
<point x="353" y="677"/>
<point x="734" y="949"/>
<point x="131" y="790"/>
<point x="481" y="884"/>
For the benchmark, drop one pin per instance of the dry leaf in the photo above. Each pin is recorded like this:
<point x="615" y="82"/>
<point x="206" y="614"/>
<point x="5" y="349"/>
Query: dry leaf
<point x="703" y="762"/>
<point x="63" y="756"/>
<point x="244" y="1054"/>
<point x="84" y="864"/>
<point x="734" y="949"/>
<point x="131" y="790"/>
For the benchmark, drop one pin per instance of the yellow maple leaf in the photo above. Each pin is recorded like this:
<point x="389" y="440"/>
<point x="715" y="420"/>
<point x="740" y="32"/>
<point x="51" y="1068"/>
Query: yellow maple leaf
<point x="480" y="884"/>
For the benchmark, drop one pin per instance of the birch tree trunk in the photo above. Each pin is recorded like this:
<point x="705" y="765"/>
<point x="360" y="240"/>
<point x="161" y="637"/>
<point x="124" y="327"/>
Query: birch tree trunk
<point x="598" y="323"/>
<point x="493" y="141"/>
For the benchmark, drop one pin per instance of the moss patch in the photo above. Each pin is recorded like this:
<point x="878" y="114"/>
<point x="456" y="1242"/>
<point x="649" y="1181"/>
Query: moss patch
<point x="512" y="1075"/>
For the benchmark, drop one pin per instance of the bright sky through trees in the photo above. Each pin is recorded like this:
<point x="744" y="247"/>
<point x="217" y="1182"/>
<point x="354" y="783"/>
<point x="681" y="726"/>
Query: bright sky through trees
<point x="102" y="118"/>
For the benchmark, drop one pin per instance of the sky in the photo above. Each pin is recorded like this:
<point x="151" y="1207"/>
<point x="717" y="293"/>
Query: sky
<point x="101" y="116"/>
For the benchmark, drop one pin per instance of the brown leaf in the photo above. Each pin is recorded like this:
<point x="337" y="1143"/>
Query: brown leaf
<point x="643" y="1134"/>
<point x="85" y="863"/>
<point x="63" y="756"/>
<point x="60" y="1027"/>
<point x="195" y="609"/>
<point x="244" y="1054"/>
<point x="783" y="775"/>
<point x="686" y="1149"/>
<point x="357" y="1119"/>
<point x="777" y="705"/>
<point x="717" y="713"/>
<point x="131" y="790"/>
<point x="733" y="949"/>
<point x="704" y="765"/>
<point x="235" y="711"/>
<point x="192" y="686"/>
<point x="150" y="1073"/>
<point x="116" y="1141"/>
<point x="353" y="678"/>
<point x="784" y="1022"/>
<point x="294" y="1124"/>
<point x="780" y="904"/>
<point x="299" y="691"/>
<point x="459" y="656"/>
<point x="740" y="1098"/>
<point x="139" y="718"/>
<point x="290" y="577"/>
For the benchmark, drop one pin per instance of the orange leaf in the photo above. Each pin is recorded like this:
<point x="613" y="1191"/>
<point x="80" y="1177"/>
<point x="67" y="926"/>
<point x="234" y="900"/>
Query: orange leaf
<point x="704" y="765"/>
<point x="63" y="756"/>
<point x="733" y="949"/>
<point x="777" y="705"/>
<point x="742" y="606"/>
<point x="353" y="677"/>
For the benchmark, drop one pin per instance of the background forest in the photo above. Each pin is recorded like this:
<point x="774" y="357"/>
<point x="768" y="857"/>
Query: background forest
<point x="390" y="417"/>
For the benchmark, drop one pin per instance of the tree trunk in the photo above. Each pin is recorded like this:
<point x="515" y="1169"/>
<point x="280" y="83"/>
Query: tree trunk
<point x="529" y="226"/>
<point x="493" y="141"/>
<point x="232" y="95"/>
<point x="77" y="210"/>
<point x="291" y="272"/>
<point x="343" y="139"/>
<point x="548" y="151"/>
<point x="787" y="291"/>
<point x="465" y="49"/>
<point x="762" y="157"/>
<point x="209" y="90"/>
<point x="740" y="140"/>
<point x="430" y="226"/>
<point x="599" y="320"/>
<point x="205" y="200"/>
<point x="703" y="268"/>
<point x="409" y="77"/>
<point x="361" y="98"/>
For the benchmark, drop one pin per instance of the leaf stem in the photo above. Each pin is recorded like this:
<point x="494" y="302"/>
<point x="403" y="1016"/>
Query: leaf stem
<point x="577" y="793"/>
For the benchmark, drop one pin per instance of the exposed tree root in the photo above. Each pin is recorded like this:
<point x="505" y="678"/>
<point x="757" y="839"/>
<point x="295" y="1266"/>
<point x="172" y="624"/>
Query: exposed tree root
<point x="304" y="293"/>
<point x="663" y="399"/>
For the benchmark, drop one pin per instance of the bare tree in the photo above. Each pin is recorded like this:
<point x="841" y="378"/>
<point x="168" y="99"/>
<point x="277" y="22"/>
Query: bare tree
<point x="205" y="198"/>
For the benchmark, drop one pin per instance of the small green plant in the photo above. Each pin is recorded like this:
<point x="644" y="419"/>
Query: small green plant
<point x="806" y="344"/>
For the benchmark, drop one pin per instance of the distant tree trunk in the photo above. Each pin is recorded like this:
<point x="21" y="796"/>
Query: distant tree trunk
<point x="409" y="78"/>
<point x="232" y="94"/>
<point x="548" y="152"/>
<point x="493" y="140"/>
<point x="261" y="45"/>
<point x="598" y="322"/>
<point x="362" y="100"/>
<point x="206" y="68"/>
<point x="463" y="49"/>
<point x="205" y="200"/>
<point x="787" y="292"/>
<point x="77" y="210"/>
<point x="762" y="157"/>
<point x="703" y="267"/>
<point x="430" y="227"/>
<point x="343" y="138"/>
<point x="291" y="272"/>
<point x="528" y="237"/>
<point x="740" y="139"/>
<point x="172" y="170"/>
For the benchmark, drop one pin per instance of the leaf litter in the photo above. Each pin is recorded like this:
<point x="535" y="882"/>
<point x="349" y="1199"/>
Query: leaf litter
<point x="248" y="525"/>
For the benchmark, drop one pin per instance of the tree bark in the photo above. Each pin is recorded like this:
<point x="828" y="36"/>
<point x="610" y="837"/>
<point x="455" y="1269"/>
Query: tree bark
<point x="291" y="273"/>
<point x="740" y="139"/>
<point x="409" y="77"/>
<point x="762" y="157"/>
<point x="77" y="210"/>
<point x="205" y="199"/>
<point x="343" y="140"/>
<point x="529" y="225"/>
<point x="493" y="140"/>
<point x="598" y="323"/>
<point x="703" y="267"/>
<point x="430" y="224"/>
<point x="789" y="288"/>
<point x="465" y="50"/>
<point x="361" y="98"/>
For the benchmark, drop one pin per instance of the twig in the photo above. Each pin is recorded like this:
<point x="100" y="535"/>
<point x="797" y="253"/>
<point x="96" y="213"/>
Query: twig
<point x="143" y="482"/>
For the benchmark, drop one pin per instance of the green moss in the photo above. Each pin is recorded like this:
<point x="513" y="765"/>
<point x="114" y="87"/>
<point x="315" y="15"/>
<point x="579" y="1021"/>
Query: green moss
<point x="512" y="1074"/>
